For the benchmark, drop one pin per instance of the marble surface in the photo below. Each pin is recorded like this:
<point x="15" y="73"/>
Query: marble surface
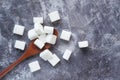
<point x="97" y="21"/>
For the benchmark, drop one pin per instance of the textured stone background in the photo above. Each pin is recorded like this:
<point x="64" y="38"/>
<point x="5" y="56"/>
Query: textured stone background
<point x="97" y="21"/>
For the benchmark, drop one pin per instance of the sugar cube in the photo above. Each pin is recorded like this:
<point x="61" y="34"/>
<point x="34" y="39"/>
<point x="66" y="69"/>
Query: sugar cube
<point x="67" y="54"/>
<point x="83" y="44"/>
<point x="48" y="29"/>
<point x="54" y="60"/>
<point x="32" y="34"/>
<point x="51" y="39"/>
<point x="38" y="20"/>
<point x="46" y="55"/>
<point x="54" y="16"/>
<point x="65" y="35"/>
<point x="42" y="38"/>
<point x="39" y="43"/>
<point x="20" y="45"/>
<point x="34" y="66"/>
<point x="18" y="29"/>
<point x="38" y="28"/>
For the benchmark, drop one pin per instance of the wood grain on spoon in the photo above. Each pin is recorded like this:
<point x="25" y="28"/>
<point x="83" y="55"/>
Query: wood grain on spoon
<point x="31" y="50"/>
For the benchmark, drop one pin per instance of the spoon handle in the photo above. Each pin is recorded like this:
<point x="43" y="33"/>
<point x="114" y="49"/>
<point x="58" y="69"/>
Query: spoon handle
<point x="10" y="67"/>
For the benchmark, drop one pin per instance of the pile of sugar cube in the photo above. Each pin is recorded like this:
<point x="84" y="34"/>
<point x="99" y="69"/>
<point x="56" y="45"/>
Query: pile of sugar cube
<point x="44" y="34"/>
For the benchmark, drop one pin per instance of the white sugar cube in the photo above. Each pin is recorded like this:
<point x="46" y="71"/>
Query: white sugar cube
<point x="39" y="43"/>
<point x="18" y="29"/>
<point x="34" y="66"/>
<point x="46" y="55"/>
<point x="48" y="29"/>
<point x="38" y="29"/>
<point x="54" y="16"/>
<point x="83" y="44"/>
<point x="42" y="38"/>
<point x="67" y="54"/>
<point x="65" y="35"/>
<point x="38" y="20"/>
<point x="54" y="60"/>
<point x="32" y="34"/>
<point x="51" y="39"/>
<point x="20" y="45"/>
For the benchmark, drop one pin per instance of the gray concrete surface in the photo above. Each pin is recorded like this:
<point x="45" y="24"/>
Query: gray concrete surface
<point x="97" y="21"/>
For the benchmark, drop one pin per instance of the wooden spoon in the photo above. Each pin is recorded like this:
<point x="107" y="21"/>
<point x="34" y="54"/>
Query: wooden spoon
<point x="31" y="50"/>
